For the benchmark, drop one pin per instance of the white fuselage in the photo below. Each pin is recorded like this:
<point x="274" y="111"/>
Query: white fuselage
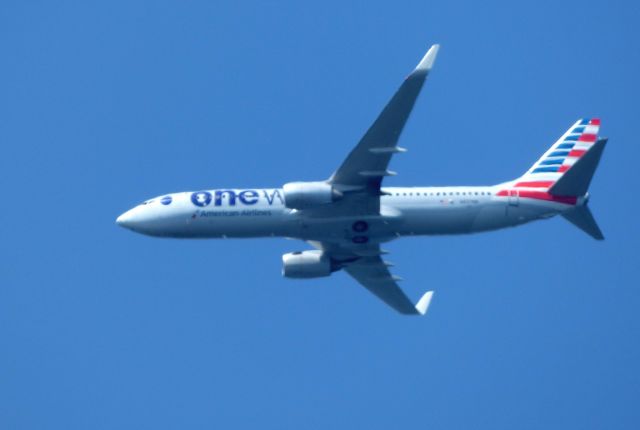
<point x="244" y="213"/>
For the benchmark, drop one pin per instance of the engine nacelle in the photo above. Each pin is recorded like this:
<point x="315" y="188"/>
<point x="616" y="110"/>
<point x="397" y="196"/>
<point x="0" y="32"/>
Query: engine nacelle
<point x="302" y="195"/>
<point x="306" y="264"/>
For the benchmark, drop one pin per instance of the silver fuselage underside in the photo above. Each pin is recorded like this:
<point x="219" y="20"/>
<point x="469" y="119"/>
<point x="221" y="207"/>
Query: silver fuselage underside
<point x="402" y="212"/>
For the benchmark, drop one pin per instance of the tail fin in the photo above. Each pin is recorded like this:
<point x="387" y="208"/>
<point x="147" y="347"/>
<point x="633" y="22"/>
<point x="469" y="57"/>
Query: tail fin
<point x="548" y="171"/>
<point x="582" y="218"/>
<point x="564" y="172"/>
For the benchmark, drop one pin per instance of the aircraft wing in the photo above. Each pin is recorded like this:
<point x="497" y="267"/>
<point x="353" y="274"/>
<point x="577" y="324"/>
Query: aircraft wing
<point x="366" y="165"/>
<point x="367" y="267"/>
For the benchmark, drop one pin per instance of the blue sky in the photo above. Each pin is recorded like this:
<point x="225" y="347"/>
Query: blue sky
<point x="105" y="104"/>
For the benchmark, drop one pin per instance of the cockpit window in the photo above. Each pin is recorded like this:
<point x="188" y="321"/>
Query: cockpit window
<point x="148" y="202"/>
<point x="166" y="200"/>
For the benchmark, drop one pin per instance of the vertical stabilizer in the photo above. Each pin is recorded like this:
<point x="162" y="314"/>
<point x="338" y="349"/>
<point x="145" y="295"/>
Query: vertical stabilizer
<point x="564" y="172"/>
<point x="559" y="159"/>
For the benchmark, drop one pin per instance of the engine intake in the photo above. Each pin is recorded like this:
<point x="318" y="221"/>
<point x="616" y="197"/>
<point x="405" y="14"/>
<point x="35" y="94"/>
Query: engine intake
<point x="306" y="264"/>
<point x="303" y="195"/>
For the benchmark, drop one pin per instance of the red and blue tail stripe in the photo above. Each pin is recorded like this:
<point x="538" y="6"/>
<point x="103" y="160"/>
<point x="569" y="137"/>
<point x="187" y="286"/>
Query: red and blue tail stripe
<point x="558" y="159"/>
<point x="571" y="146"/>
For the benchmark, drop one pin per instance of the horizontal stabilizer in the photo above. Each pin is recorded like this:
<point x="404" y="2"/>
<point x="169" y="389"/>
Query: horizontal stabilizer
<point x="576" y="180"/>
<point x="582" y="218"/>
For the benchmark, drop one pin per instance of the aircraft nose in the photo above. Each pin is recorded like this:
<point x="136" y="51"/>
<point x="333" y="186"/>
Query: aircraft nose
<point x="125" y="220"/>
<point x="146" y="219"/>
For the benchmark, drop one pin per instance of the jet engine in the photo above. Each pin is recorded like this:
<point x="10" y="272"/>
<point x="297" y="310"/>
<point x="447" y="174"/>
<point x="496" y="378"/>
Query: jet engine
<point x="306" y="264"/>
<point x="303" y="195"/>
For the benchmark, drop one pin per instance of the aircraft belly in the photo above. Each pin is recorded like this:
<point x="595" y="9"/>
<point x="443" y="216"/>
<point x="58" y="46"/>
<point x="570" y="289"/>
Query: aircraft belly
<point x="438" y="220"/>
<point x="247" y="223"/>
<point x="232" y="222"/>
<point x="338" y="229"/>
<point x="493" y="217"/>
<point x="268" y="221"/>
<point x="502" y="214"/>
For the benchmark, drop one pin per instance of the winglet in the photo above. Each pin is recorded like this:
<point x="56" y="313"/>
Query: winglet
<point x="429" y="58"/>
<point x="423" y="304"/>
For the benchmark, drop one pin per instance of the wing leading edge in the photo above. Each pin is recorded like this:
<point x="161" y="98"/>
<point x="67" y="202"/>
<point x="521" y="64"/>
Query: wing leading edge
<point x="366" y="165"/>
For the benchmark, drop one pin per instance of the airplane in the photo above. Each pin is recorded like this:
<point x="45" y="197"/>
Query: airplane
<point x="348" y="217"/>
